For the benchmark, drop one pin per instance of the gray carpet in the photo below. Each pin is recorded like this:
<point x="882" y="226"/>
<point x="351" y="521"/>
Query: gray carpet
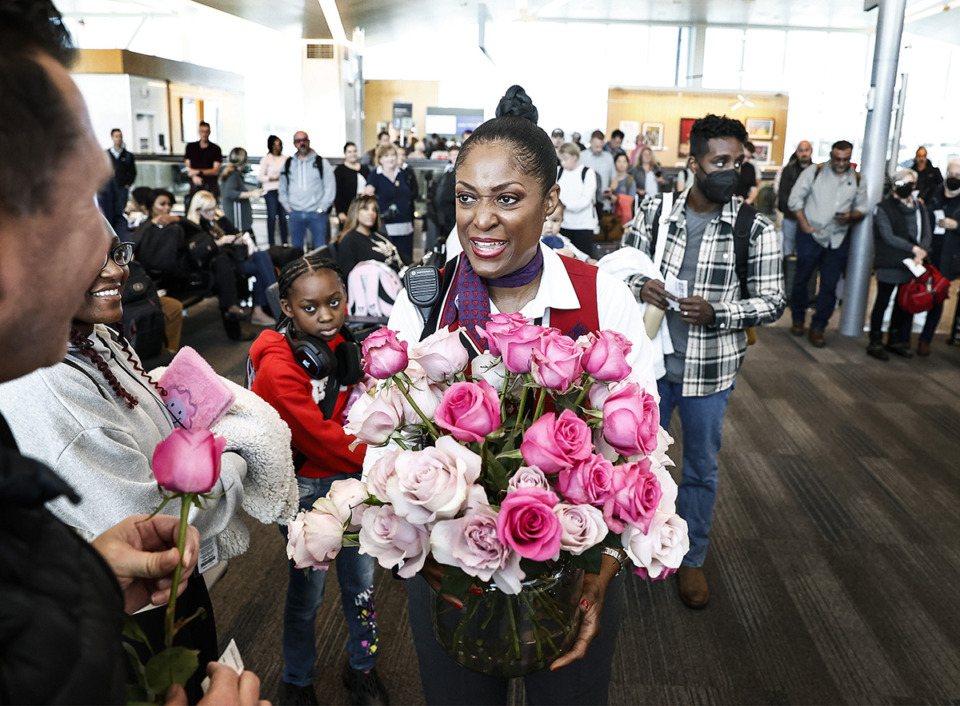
<point x="834" y="565"/>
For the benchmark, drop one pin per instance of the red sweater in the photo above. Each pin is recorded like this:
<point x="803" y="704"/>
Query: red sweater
<point x="289" y="390"/>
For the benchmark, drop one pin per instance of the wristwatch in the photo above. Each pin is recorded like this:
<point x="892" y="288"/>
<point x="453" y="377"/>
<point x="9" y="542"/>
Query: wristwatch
<point x="618" y="554"/>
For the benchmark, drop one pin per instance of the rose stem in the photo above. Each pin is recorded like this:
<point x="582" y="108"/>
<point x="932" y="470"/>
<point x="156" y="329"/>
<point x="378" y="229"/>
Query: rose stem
<point x="513" y="624"/>
<point x="406" y="393"/>
<point x="523" y="402"/>
<point x="586" y="389"/>
<point x="186" y="500"/>
<point x="541" y="401"/>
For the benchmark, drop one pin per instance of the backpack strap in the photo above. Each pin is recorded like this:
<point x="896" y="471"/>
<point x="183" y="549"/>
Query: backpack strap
<point x="286" y="168"/>
<point x="741" y="244"/>
<point x="583" y="174"/>
<point x="318" y="163"/>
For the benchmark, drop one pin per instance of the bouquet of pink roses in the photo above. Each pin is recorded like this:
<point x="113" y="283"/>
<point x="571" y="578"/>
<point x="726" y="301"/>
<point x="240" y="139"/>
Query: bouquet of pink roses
<point x="540" y="451"/>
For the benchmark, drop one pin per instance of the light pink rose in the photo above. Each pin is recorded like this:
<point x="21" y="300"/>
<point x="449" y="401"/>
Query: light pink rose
<point x="384" y="355"/>
<point x="440" y="355"/>
<point x="490" y="368"/>
<point x="589" y="481"/>
<point x="581" y="527"/>
<point x="631" y="420"/>
<point x="314" y="539"/>
<point x="345" y="500"/>
<point x="469" y="410"/>
<point x="432" y="484"/>
<point x="527" y="524"/>
<point x="379" y="474"/>
<point x="528" y="477"/>
<point x="188" y="461"/>
<point x="425" y="395"/>
<point x="657" y="553"/>
<point x="605" y="355"/>
<point x="373" y="419"/>
<point x="635" y="496"/>
<point x="392" y="540"/>
<point x="556" y="361"/>
<point x="502" y="325"/>
<point x="553" y="442"/>
<point x="471" y="544"/>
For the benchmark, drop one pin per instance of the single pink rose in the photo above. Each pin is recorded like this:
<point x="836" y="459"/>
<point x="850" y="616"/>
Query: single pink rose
<point x="634" y="498"/>
<point x="528" y="525"/>
<point x="314" y="539"/>
<point x="588" y="482"/>
<point x="390" y="540"/>
<point x="469" y="410"/>
<point x="441" y="355"/>
<point x="657" y="553"/>
<point x="556" y="361"/>
<point x="373" y="419"/>
<point x="631" y="420"/>
<point x="605" y="356"/>
<point x="582" y="527"/>
<point x="502" y="324"/>
<point x="384" y="355"/>
<point x="188" y="461"/>
<point x="553" y="442"/>
<point x="380" y="472"/>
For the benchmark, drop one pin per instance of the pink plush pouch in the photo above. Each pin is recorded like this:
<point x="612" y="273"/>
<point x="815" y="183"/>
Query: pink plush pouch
<point x="196" y="395"/>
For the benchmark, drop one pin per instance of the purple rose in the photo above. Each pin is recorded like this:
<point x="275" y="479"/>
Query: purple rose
<point x="589" y="481"/>
<point x="384" y="355"/>
<point x="469" y="410"/>
<point x="391" y="540"/>
<point x="471" y="543"/>
<point x="634" y="498"/>
<point x="528" y="477"/>
<point x="528" y="525"/>
<point x="553" y="442"/>
<point x="605" y="356"/>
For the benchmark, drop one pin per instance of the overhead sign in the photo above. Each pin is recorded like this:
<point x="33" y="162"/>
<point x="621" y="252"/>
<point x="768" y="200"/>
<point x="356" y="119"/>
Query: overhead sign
<point x="402" y="116"/>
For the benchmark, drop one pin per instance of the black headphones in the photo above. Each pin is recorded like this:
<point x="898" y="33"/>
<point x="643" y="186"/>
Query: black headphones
<point x="314" y="355"/>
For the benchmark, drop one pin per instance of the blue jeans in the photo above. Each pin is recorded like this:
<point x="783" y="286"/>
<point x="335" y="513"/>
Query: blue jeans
<point x="261" y="267"/>
<point x="832" y="263"/>
<point x="701" y="419"/>
<point x="276" y="211"/>
<point x="316" y="223"/>
<point x="789" y="244"/>
<point x="305" y="593"/>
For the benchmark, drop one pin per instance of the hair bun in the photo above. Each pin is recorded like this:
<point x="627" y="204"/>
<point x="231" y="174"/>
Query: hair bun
<point x="517" y="103"/>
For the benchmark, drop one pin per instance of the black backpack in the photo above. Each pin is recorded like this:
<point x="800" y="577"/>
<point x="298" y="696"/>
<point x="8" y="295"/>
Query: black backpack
<point x="318" y="163"/>
<point x="160" y="250"/>
<point x="143" y="323"/>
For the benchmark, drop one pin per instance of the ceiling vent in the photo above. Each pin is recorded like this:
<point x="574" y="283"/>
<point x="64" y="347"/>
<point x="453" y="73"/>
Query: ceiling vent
<point x="320" y="51"/>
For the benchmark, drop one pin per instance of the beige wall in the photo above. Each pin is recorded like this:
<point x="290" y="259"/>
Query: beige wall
<point x="379" y="97"/>
<point x="668" y="107"/>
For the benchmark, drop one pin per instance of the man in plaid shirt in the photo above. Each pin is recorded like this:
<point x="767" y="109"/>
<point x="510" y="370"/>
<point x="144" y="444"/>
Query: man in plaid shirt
<point x="707" y="330"/>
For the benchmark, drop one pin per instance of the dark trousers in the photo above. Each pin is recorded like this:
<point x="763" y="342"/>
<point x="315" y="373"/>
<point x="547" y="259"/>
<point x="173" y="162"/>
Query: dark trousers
<point x="900" y="321"/>
<point x="276" y="212"/>
<point x="446" y="682"/>
<point x="581" y="239"/>
<point x="832" y="263"/>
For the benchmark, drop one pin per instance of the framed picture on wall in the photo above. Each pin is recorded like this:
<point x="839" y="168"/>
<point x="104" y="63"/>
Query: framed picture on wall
<point x="652" y="135"/>
<point x="683" y="149"/>
<point x="760" y="128"/>
<point x="763" y="153"/>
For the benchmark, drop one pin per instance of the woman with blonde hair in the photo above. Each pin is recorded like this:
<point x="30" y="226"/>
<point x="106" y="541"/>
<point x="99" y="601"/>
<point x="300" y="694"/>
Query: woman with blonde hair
<point x="360" y="239"/>
<point x="395" y="198"/>
<point x="646" y="171"/>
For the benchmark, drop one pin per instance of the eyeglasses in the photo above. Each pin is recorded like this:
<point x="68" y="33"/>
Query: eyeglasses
<point x="301" y="139"/>
<point x="122" y="255"/>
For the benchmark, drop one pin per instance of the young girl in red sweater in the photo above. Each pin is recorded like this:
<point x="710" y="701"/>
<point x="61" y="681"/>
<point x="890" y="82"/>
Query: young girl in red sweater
<point x="306" y="370"/>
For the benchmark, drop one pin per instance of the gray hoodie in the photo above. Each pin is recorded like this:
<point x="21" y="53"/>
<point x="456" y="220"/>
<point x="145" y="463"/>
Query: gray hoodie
<point x="302" y="189"/>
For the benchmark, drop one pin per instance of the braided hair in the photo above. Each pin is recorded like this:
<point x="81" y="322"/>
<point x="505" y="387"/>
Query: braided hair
<point x="515" y="124"/>
<point x="295" y="269"/>
<point x="85" y="346"/>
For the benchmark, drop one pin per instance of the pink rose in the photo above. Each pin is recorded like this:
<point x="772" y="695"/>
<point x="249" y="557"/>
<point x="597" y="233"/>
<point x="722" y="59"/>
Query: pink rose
<point x="391" y="540"/>
<point x="635" y="496"/>
<point x="469" y="410"/>
<point x="345" y="501"/>
<point x="384" y="355"/>
<point x="471" y="544"/>
<point x="314" y="539"/>
<point x="188" y="461"/>
<point x="605" y="356"/>
<point x="553" y="443"/>
<point x="379" y="474"/>
<point x="631" y="420"/>
<point x="556" y="362"/>
<point x="581" y="527"/>
<point x="432" y="484"/>
<point x="505" y="325"/>
<point x="441" y="355"/>
<point x="528" y="477"/>
<point x="373" y="419"/>
<point x="657" y="553"/>
<point x="527" y="524"/>
<point x="589" y="481"/>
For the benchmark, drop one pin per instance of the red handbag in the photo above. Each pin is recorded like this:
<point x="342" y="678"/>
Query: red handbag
<point x="924" y="292"/>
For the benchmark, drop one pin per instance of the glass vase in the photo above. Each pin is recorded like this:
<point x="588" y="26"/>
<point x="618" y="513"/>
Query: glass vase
<point x="511" y="635"/>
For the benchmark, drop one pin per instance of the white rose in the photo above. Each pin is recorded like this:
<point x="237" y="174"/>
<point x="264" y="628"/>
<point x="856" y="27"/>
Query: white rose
<point x="658" y="553"/>
<point x="582" y="527"/>
<point x="440" y="355"/>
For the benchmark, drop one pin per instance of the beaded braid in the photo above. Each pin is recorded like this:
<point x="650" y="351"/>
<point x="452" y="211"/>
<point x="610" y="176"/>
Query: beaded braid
<point x="135" y="361"/>
<point x="293" y="270"/>
<point x="86" y="349"/>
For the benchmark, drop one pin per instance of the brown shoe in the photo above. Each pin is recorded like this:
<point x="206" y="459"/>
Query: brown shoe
<point x="693" y="586"/>
<point x="923" y="349"/>
<point x="816" y="338"/>
<point x="798" y="329"/>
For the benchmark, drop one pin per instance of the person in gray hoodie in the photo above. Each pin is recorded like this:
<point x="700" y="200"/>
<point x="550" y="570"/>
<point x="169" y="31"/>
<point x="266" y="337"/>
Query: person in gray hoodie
<point x="307" y="190"/>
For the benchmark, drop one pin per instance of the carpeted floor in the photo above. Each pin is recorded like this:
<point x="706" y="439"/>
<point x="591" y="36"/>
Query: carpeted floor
<point x="834" y="565"/>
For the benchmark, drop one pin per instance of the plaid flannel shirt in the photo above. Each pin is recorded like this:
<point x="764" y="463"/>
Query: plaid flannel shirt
<point x="715" y="352"/>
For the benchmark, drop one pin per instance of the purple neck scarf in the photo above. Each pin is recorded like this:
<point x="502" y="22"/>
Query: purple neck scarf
<point x="469" y="300"/>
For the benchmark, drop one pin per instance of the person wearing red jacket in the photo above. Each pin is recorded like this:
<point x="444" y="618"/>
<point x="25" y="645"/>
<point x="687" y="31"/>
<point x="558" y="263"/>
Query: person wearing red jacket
<point x="306" y="371"/>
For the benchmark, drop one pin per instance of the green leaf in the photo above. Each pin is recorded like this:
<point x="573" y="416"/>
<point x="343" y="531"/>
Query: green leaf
<point x="496" y="476"/>
<point x="174" y="665"/>
<point x="136" y="692"/>
<point x="456" y="582"/>
<point x="589" y="560"/>
<point x="133" y="632"/>
<point x="510" y="454"/>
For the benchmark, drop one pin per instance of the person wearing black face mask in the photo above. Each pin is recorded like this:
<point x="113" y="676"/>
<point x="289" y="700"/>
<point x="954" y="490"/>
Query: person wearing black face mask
<point x="943" y="206"/>
<point x="901" y="229"/>
<point x="707" y="326"/>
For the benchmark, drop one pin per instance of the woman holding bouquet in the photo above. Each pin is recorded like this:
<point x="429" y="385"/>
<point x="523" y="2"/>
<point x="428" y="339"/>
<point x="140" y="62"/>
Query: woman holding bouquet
<point x="505" y="188"/>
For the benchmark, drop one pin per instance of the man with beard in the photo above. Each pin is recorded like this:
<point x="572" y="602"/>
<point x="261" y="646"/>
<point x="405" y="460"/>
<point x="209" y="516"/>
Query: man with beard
<point x="788" y="177"/>
<point x="929" y="178"/>
<point x="307" y="190"/>
<point x="707" y="326"/>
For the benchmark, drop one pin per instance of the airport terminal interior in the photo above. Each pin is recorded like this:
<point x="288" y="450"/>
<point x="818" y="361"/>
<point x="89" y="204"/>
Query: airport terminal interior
<point x="833" y="563"/>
